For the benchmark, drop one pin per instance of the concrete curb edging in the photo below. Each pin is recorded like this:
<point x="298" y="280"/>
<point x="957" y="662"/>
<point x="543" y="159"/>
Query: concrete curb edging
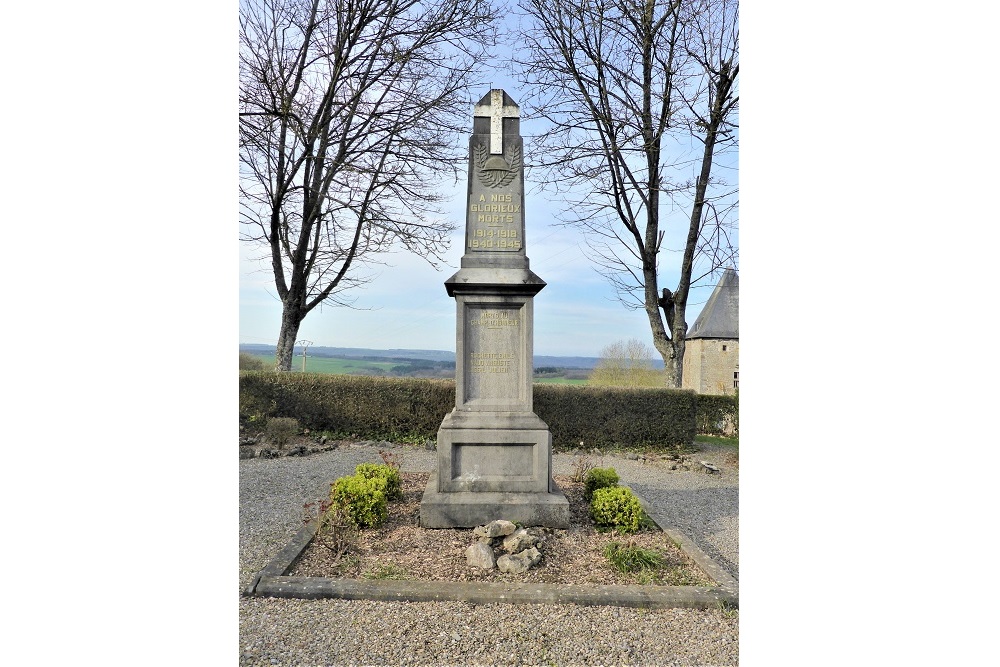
<point x="272" y="582"/>
<point x="649" y="597"/>
<point x="710" y="567"/>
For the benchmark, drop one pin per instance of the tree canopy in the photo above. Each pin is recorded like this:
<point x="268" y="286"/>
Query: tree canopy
<point x="351" y="114"/>
<point x="639" y="99"/>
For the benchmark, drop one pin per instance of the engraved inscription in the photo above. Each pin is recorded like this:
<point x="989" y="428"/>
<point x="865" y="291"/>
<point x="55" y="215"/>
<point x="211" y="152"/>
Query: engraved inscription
<point x="494" y="222"/>
<point x="491" y="362"/>
<point x="493" y="319"/>
<point x="493" y="351"/>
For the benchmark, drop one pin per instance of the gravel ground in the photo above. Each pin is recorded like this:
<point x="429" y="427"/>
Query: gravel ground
<point x="340" y="632"/>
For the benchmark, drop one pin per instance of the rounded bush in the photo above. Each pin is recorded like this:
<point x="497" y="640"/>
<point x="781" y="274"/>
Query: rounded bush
<point x="280" y="430"/>
<point x="386" y="475"/>
<point x="598" y="478"/>
<point x="616" y="507"/>
<point x="362" y="500"/>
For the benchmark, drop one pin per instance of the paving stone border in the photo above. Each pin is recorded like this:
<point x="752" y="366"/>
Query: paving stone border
<point x="272" y="582"/>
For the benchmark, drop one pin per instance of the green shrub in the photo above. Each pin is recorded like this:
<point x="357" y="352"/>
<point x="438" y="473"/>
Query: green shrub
<point x="361" y="500"/>
<point x="384" y="475"/>
<point x="616" y="507"/>
<point x="248" y="362"/>
<point x="280" y="430"/>
<point x="718" y="415"/>
<point x="598" y="478"/>
<point x="633" y="558"/>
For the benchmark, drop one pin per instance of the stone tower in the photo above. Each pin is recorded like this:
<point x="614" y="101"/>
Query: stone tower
<point x="712" y="349"/>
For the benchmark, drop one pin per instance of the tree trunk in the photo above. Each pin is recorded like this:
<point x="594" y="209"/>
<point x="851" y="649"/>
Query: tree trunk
<point x="668" y="340"/>
<point x="678" y="341"/>
<point x="291" y="319"/>
<point x="663" y="343"/>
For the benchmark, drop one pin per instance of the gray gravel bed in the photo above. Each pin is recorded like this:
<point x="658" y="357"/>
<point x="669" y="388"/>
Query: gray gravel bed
<point x="340" y="632"/>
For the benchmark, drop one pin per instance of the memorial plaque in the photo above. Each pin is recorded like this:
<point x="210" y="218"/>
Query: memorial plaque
<point x="494" y="339"/>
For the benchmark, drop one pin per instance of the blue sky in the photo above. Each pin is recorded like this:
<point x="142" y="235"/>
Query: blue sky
<point x="406" y="306"/>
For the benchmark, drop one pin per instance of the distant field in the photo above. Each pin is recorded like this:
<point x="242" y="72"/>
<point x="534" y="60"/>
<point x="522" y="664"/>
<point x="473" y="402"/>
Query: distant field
<point x="335" y="366"/>
<point x="558" y="381"/>
<point x="362" y="367"/>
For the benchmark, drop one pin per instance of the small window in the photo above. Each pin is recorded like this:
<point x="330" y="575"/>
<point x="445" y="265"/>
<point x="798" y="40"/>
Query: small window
<point x="736" y="379"/>
<point x="723" y="348"/>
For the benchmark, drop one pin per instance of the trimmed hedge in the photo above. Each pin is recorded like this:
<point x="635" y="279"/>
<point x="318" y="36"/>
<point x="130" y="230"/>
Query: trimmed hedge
<point x="368" y="407"/>
<point x="718" y="415"/>
<point x="395" y="408"/>
<point x="608" y="417"/>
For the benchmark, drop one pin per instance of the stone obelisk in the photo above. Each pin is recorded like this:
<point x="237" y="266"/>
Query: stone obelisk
<point x="494" y="453"/>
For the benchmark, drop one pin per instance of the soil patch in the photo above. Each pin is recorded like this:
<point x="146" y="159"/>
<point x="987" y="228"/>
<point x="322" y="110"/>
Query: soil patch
<point x="401" y="549"/>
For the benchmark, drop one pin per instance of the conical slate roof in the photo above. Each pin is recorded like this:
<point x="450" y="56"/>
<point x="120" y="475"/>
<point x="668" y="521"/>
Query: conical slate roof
<point x="720" y="318"/>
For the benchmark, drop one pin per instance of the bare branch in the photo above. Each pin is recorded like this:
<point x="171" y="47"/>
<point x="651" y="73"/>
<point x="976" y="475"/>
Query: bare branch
<point x="625" y="89"/>
<point x="351" y="113"/>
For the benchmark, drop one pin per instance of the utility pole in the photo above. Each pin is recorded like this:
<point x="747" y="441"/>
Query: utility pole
<point x="305" y="350"/>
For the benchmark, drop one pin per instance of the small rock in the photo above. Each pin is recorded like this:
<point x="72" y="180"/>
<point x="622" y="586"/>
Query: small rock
<point x="496" y="528"/>
<point x="520" y="562"/>
<point x="519" y="540"/>
<point x="632" y="456"/>
<point x="480" y="555"/>
<point x="247" y="452"/>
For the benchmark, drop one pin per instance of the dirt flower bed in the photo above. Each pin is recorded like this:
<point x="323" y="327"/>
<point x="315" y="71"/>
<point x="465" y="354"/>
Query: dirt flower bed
<point x="401" y="549"/>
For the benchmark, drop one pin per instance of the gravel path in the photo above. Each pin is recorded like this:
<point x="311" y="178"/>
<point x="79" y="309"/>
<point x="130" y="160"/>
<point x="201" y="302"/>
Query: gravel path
<point x="339" y="632"/>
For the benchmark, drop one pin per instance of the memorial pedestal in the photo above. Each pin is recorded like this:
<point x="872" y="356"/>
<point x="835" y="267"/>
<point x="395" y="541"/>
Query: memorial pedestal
<point x="494" y="453"/>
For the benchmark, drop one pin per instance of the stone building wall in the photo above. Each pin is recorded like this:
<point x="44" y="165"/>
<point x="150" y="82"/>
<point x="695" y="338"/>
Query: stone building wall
<point x="711" y="365"/>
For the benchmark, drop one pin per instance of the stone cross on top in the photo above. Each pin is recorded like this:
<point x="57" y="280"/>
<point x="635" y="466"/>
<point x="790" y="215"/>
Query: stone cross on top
<point x="496" y="111"/>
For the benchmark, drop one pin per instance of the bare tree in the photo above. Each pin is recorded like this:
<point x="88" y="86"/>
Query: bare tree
<point x="626" y="88"/>
<point x="350" y="114"/>
<point x="626" y="364"/>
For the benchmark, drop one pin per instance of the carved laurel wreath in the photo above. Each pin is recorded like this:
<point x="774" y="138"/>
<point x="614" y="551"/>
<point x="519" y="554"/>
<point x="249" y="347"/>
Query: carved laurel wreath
<point x="496" y="178"/>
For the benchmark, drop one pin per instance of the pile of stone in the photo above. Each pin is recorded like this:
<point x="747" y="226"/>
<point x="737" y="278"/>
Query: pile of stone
<point x="520" y="547"/>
